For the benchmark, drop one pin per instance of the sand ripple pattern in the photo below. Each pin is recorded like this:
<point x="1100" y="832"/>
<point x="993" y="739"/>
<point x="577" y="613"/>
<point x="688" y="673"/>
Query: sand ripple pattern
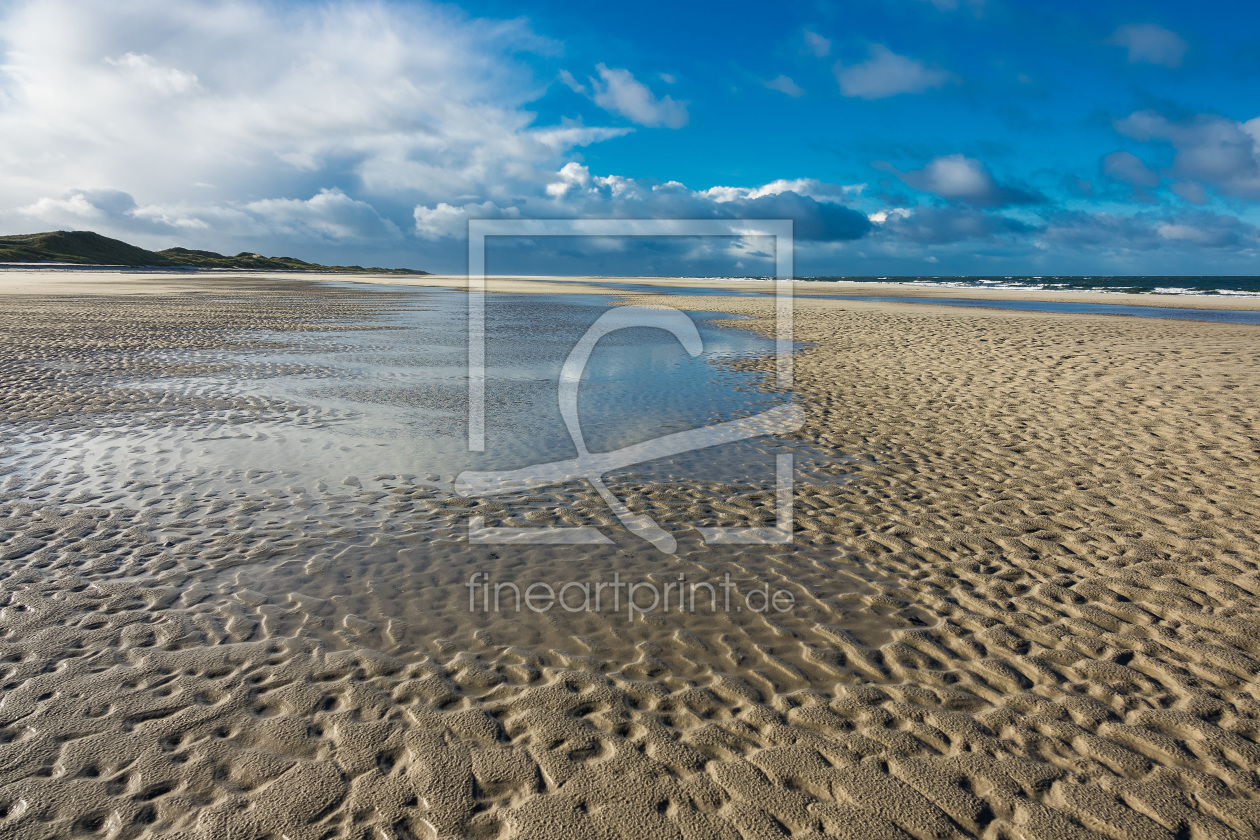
<point x="1029" y="610"/>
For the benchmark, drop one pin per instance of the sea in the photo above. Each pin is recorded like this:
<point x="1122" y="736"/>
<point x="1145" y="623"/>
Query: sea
<point x="1130" y="284"/>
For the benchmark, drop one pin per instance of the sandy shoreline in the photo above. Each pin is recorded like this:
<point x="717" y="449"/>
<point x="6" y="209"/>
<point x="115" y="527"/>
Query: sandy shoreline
<point x="63" y="281"/>
<point x="1029" y="610"/>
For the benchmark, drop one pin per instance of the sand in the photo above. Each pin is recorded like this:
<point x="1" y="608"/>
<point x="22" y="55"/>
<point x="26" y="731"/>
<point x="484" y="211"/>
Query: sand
<point x="1027" y="608"/>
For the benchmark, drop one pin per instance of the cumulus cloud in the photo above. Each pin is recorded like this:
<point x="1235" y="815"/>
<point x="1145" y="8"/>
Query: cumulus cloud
<point x="79" y="206"/>
<point x="331" y="214"/>
<point x="965" y="180"/>
<point x="808" y="187"/>
<point x="884" y="74"/>
<point x="1150" y="44"/>
<point x="447" y="221"/>
<point x="784" y="84"/>
<point x="218" y="116"/>
<point x="620" y="92"/>
<point x="1210" y="149"/>
<point x="574" y="192"/>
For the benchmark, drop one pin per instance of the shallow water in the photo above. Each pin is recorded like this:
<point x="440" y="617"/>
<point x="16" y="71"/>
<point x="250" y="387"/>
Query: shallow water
<point x="390" y="404"/>
<point x="1176" y="313"/>
<point x="1229" y="316"/>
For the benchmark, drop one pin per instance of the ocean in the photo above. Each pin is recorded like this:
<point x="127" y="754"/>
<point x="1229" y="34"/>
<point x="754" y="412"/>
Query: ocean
<point x="1136" y="284"/>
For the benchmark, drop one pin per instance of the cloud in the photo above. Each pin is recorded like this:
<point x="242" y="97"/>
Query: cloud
<point x="967" y="181"/>
<point x="816" y="207"/>
<point x="1210" y="230"/>
<point x="145" y="71"/>
<point x="1109" y="232"/>
<point x="1122" y="237"/>
<point x="784" y="84"/>
<point x="80" y="206"/>
<point x="1210" y="149"/>
<point x="1150" y="44"/>
<point x="1191" y="192"/>
<point x="620" y="92"/>
<point x="881" y="216"/>
<point x="941" y="225"/>
<point x="884" y="74"/>
<point x="1129" y="169"/>
<point x="331" y="214"/>
<point x="816" y="44"/>
<point x="229" y="120"/>
<point x="573" y="84"/>
<point x="953" y="5"/>
<point x="447" y="221"/>
<point x="808" y="187"/>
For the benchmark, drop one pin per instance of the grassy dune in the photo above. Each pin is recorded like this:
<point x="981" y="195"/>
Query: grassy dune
<point x="84" y="247"/>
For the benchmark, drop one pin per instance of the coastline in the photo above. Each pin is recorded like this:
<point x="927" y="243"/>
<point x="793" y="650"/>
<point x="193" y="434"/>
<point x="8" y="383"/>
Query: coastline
<point x="68" y="281"/>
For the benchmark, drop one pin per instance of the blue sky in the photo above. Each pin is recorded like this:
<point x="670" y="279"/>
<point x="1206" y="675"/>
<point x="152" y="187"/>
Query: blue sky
<point x="903" y="136"/>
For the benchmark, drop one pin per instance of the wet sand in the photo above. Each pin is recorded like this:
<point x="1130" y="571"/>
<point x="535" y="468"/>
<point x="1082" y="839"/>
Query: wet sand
<point x="1026" y="605"/>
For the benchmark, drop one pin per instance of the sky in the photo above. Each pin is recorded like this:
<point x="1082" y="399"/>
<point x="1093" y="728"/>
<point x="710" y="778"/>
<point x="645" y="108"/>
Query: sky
<point x="902" y="137"/>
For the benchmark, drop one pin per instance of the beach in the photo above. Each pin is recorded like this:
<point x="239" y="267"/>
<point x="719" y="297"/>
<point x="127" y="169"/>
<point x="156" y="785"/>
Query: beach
<point x="1022" y="589"/>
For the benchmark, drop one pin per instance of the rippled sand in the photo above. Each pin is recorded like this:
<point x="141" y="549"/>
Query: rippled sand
<point x="1026" y="601"/>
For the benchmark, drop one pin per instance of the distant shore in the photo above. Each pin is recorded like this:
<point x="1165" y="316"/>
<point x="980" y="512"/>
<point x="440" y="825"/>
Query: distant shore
<point x="114" y="280"/>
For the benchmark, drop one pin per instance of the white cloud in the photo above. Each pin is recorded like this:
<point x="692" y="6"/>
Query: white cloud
<point x="331" y="214"/>
<point x="450" y="222"/>
<point x="227" y="117"/>
<point x="574" y="192"/>
<point x="80" y="206"/>
<point x="1211" y="149"/>
<point x="884" y="74"/>
<point x="881" y="216"/>
<point x="784" y="84"/>
<point x="619" y="91"/>
<point x="953" y="176"/>
<point x="572" y="175"/>
<point x="817" y="44"/>
<point x="74" y="205"/>
<point x="1150" y="44"/>
<point x="964" y="179"/>
<point x="573" y="84"/>
<point x="809" y="187"/>
<point x="144" y="70"/>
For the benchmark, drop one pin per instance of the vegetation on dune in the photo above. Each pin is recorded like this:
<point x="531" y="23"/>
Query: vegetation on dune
<point x="83" y="247"/>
